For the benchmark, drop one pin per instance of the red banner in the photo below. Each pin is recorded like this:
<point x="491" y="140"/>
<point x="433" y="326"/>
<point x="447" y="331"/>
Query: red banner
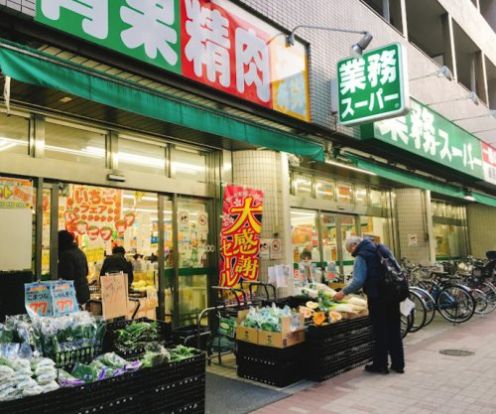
<point x="240" y="235"/>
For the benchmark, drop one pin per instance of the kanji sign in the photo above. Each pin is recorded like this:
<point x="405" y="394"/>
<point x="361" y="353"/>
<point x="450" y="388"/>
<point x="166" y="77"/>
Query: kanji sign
<point x="429" y="135"/>
<point x="213" y="42"/>
<point x="15" y="193"/>
<point x="240" y="235"/>
<point x="54" y="298"/>
<point x="373" y="86"/>
<point x="96" y="212"/>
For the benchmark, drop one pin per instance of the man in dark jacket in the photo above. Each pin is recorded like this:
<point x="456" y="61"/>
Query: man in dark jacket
<point x="117" y="263"/>
<point x="73" y="265"/>
<point x="384" y="315"/>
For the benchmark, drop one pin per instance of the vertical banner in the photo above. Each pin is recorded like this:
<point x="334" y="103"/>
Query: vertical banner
<point x="240" y="235"/>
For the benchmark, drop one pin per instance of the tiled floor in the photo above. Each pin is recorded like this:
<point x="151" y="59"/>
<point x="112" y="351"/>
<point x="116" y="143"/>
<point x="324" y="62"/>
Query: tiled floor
<point x="433" y="383"/>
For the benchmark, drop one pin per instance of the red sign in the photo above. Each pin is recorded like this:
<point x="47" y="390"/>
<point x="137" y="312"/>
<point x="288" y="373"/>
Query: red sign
<point x="96" y="212"/>
<point x="489" y="162"/>
<point x="240" y="235"/>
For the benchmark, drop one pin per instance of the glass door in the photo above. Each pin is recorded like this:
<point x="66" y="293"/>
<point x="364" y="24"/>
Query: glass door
<point x="193" y="261"/>
<point x="330" y="246"/>
<point x="347" y="227"/>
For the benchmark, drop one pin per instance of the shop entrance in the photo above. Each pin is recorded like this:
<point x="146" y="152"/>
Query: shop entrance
<point x="167" y="238"/>
<point x="323" y="235"/>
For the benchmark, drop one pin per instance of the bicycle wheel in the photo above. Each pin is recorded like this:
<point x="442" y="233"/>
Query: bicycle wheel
<point x="406" y="324"/>
<point x="419" y="313"/>
<point x="480" y="299"/>
<point x="455" y="304"/>
<point x="429" y="303"/>
<point x="490" y="290"/>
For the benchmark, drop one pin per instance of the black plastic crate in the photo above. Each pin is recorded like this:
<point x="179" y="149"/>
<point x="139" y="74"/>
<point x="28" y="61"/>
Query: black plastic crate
<point x="268" y="353"/>
<point x="189" y="399"/>
<point x="124" y="392"/>
<point x="176" y="371"/>
<point x="280" y="375"/>
<point x="346" y="326"/>
<point x="110" y="345"/>
<point x="67" y="359"/>
<point x="46" y="403"/>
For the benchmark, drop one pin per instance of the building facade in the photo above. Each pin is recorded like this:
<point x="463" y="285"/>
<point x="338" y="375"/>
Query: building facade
<point x="128" y="149"/>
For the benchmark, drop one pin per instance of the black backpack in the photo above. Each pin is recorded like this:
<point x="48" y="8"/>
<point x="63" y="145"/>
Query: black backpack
<point x="393" y="286"/>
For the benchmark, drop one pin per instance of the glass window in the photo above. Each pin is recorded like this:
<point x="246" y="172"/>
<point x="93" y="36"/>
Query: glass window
<point x="345" y="193"/>
<point x="304" y="234"/>
<point x="348" y="228"/>
<point x="74" y="144"/>
<point x="14" y="132"/>
<point x="450" y="241"/>
<point x="376" y="228"/>
<point x="361" y="196"/>
<point x="329" y="238"/>
<point x="376" y="198"/>
<point x="140" y="156"/>
<point x="302" y="185"/>
<point x="189" y="164"/>
<point x="324" y="189"/>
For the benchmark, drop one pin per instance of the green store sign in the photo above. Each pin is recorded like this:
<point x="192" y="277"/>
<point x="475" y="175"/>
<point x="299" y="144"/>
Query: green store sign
<point x="374" y="86"/>
<point x="427" y="134"/>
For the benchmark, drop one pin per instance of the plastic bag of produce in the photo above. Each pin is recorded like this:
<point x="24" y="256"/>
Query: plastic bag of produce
<point x="29" y="392"/>
<point x="51" y="386"/>
<point x="67" y="380"/>
<point x="110" y="359"/>
<point x="155" y="354"/>
<point x="86" y="372"/>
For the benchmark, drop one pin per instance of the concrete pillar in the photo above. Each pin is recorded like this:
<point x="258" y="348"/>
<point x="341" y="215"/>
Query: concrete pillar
<point x="414" y="220"/>
<point x="481" y="229"/>
<point x="268" y="171"/>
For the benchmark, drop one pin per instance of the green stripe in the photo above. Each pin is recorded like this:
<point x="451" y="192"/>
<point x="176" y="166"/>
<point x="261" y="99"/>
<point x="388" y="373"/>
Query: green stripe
<point x="38" y="68"/>
<point x="190" y="271"/>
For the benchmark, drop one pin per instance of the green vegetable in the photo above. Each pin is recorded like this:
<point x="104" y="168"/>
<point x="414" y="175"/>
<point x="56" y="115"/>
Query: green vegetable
<point x="136" y="334"/>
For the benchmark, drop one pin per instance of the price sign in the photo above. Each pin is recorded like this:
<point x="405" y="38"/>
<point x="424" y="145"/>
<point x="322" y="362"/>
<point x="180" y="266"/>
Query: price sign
<point x="38" y="299"/>
<point x="63" y="297"/>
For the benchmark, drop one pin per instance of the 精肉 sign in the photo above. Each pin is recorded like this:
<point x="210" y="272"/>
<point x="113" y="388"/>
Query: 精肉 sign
<point x="373" y="86"/>
<point x="210" y="41"/>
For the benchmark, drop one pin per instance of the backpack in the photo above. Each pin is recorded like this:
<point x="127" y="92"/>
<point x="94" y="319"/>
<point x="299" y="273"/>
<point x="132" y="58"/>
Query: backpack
<point x="393" y="286"/>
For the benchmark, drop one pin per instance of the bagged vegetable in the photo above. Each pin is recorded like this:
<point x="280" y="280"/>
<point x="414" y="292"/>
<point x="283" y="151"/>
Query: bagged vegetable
<point x="67" y="380"/>
<point x="155" y="354"/>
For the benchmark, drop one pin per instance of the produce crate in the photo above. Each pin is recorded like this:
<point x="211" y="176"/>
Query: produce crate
<point x="273" y="366"/>
<point x="67" y="359"/>
<point x="39" y="404"/>
<point x="121" y="394"/>
<point x="336" y="348"/>
<point x="178" y="387"/>
<point x="110" y="345"/>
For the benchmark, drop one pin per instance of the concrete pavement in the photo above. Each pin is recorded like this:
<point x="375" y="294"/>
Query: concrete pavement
<point x="432" y="383"/>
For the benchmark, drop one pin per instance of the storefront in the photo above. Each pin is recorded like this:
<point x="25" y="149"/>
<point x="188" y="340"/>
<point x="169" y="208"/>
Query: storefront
<point x="328" y="208"/>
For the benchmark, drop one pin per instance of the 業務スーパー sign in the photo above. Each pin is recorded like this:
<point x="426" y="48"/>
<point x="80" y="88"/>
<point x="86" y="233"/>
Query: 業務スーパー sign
<point x="240" y="235"/>
<point x="373" y="86"/>
<point x="427" y="134"/>
<point x="213" y="42"/>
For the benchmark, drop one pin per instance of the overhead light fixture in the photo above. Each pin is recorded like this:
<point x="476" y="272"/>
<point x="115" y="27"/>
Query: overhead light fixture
<point x="468" y="195"/>
<point x="491" y="113"/>
<point x="442" y="72"/>
<point x="349" y="167"/>
<point x="472" y="96"/>
<point x="356" y="49"/>
<point x="65" y="99"/>
<point x="116" y="177"/>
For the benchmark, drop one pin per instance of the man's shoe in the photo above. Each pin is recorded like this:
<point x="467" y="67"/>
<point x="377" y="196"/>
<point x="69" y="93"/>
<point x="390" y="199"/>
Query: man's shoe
<point x="398" y="370"/>
<point x="376" y="370"/>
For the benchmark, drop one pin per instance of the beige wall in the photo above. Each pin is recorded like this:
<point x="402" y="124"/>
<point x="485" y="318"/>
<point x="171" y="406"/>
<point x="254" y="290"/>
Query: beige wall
<point x="414" y="218"/>
<point x="482" y="229"/>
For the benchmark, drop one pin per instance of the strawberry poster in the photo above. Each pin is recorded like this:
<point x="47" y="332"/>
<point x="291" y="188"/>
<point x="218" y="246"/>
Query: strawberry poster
<point x="240" y="235"/>
<point x="96" y="212"/>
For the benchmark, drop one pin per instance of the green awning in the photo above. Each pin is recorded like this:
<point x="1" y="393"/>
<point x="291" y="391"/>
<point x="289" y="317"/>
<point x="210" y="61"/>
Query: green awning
<point x="410" y="180"/>
<point x="38" y="68"/>
<point x="484" y="199"/>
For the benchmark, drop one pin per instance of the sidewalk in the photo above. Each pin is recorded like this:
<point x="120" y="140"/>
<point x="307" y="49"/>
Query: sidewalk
<point x="432" y="383"/>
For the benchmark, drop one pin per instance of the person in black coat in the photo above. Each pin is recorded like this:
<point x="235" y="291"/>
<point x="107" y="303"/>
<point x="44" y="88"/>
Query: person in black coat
<point x="73" y="265"/>
<point x="117" y="263"/>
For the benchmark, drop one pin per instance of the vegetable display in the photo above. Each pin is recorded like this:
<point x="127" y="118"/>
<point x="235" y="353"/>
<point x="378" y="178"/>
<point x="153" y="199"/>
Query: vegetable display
<point x="136" y="335"/>
<point x="324" y="309"/>
<point x="267" y="318"/>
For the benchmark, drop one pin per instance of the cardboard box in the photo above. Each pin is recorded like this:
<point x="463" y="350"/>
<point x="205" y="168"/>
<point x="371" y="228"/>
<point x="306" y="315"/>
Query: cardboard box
<point x="287" y="337"/>
<point x="245" y="334"/>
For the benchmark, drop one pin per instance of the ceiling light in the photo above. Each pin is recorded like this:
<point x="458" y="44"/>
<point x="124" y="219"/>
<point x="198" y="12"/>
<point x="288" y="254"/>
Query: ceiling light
<point x="65" y="99"/>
